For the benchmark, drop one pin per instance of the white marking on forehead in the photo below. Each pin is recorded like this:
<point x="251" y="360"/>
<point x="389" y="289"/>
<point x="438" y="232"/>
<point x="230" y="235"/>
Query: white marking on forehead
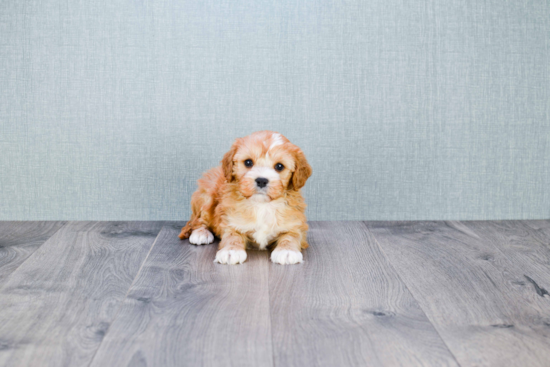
<point x="277" y="140"/>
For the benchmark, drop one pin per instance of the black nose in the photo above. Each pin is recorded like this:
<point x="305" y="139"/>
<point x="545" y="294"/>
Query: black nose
<point x="261" y="182"/>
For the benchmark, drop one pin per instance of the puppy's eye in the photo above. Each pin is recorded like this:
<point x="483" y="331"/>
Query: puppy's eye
<point x="279" y="167"/>
<point x="248" y="163"/>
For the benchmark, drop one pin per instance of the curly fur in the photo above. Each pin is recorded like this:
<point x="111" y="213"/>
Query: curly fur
<point x="230" y="204"/>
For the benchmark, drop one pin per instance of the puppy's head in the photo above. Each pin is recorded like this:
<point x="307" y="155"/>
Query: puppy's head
<point x="265" y="165"/>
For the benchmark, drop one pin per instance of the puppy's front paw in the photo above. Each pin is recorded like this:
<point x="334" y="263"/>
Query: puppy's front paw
<point x="201" y="236"/>
<point x="230" y="257"/>
<point x="286" y="257"/>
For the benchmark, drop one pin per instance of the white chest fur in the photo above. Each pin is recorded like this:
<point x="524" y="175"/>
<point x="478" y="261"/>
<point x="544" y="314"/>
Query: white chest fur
<point x="262" y="221"/>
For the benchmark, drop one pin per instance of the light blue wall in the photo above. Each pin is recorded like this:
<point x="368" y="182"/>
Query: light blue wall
<point x="406" y="109"/>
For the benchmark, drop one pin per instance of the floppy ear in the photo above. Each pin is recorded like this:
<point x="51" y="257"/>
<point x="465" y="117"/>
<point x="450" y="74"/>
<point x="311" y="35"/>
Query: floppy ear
<point x="227" y="163"/>
<point x="302" y="172"/>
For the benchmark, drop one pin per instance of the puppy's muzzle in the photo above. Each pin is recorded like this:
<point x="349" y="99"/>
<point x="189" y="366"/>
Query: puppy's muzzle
<point x="261" y="182"/>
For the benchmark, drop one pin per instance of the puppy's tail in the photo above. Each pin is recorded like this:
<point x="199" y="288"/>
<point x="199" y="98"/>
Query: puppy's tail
<point x="186" y="231"/>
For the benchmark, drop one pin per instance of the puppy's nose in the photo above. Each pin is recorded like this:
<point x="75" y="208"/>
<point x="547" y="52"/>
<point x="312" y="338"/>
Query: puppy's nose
<point x="261" y="182"/>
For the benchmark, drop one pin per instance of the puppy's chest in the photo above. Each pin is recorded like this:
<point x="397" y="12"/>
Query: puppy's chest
<point x="262" y="222"/>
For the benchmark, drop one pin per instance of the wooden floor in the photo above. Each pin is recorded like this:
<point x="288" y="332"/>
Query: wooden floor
<point x="368" y="294"/>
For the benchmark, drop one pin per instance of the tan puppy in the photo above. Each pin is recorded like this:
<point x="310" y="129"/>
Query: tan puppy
<point x="253" y="199"/>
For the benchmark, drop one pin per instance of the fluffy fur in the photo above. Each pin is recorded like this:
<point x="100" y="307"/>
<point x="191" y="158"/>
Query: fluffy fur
<point x="230" y="203"/>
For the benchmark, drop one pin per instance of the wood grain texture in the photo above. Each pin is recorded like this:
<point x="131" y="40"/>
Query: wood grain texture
<point x="18" y="240"/>
<point x="346" y="306"/>
<point x="185" y="310"/>
<point x="57" y="306"/>
<point x="397" y="293"/>
<point x="474" y="295"/>
<point x="524" y="243"/>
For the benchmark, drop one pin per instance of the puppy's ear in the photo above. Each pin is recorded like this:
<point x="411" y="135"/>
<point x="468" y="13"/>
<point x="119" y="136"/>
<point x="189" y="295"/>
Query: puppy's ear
<point x="302" y="172"/>
<point x="227" y="163"/>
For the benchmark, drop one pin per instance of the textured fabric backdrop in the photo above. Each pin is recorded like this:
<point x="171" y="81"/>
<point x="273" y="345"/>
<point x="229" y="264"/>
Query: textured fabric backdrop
<point x="406" y="109"/>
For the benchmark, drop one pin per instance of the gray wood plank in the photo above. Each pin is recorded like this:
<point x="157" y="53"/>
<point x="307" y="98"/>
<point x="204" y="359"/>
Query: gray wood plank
<point x="57" y="306"/>
<point x="527" y="245"/>
<point x="184" y="310"/>
<point x="18" y="240"/>
<point x="346" y="306"/>
<point x="470" y="291"/>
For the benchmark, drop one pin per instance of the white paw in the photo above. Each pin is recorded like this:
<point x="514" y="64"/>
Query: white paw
<point x="286" y="257"/>
<point x="230" y="257"/>
<point x="201" y="236"/>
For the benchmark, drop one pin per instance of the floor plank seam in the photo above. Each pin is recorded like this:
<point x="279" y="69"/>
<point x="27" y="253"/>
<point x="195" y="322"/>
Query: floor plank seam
<point x="270" y="313"/>
<point x="484" y="285"/>
<point x="126" y="296"/>
<point x="31" y="255"/>
<point x="410" y="291"/>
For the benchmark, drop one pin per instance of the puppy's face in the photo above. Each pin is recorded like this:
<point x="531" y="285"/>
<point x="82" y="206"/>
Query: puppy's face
<point x="265" y="165"/>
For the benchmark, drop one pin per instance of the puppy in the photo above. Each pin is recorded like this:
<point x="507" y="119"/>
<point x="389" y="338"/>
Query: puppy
<point x="253" y="200"/>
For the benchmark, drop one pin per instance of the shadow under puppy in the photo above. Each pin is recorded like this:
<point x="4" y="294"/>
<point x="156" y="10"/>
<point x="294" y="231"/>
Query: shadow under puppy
<point x="253" y="199"/>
